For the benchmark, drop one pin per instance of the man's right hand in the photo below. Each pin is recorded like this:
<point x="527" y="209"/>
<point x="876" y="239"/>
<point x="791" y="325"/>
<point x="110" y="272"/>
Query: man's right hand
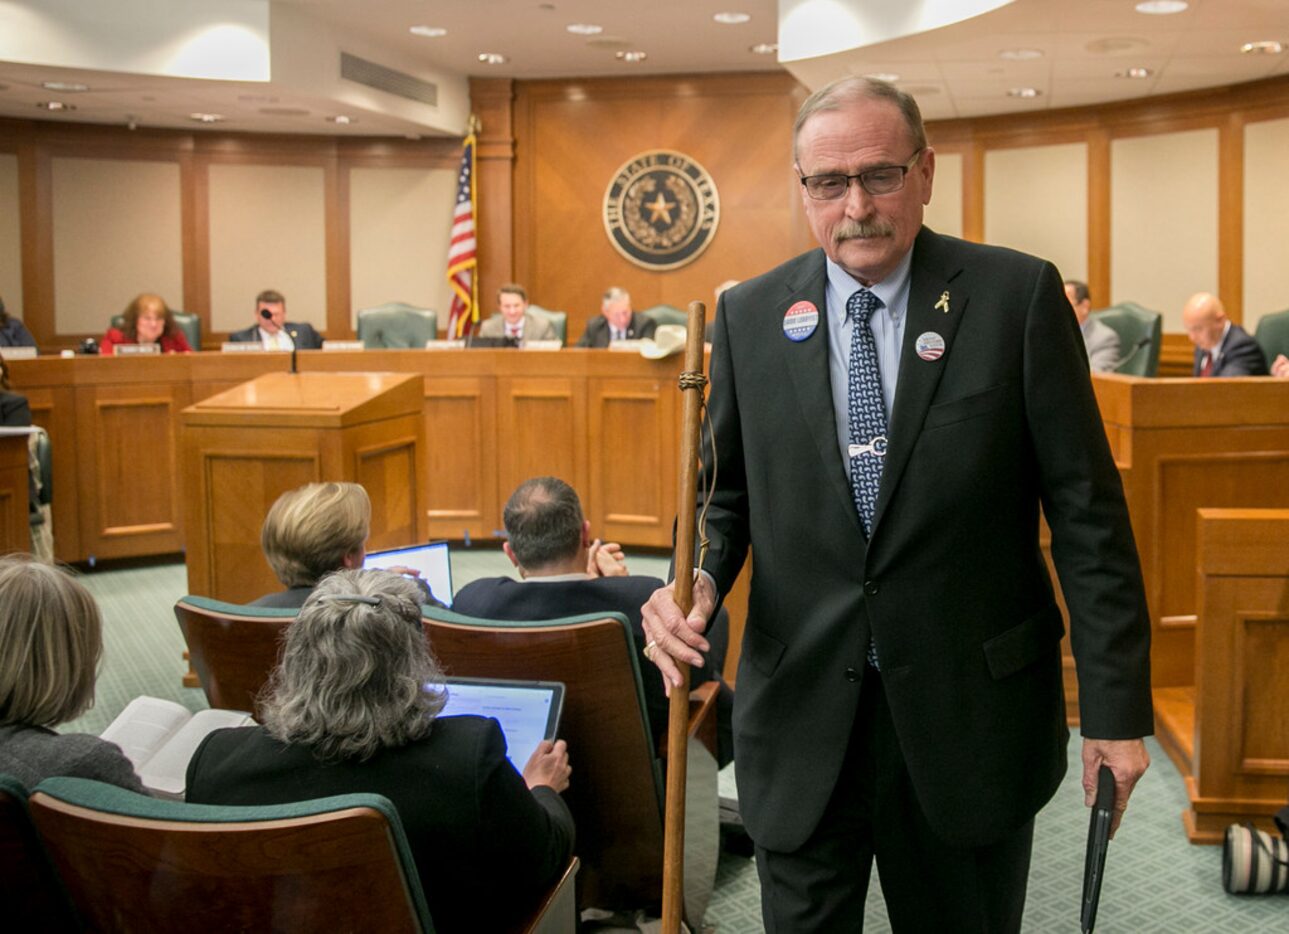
<point x="548" y="765"/>
<point x="670" y="635"/>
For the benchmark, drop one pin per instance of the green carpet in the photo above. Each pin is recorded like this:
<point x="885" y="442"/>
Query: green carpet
<point x="1155" y="880"/>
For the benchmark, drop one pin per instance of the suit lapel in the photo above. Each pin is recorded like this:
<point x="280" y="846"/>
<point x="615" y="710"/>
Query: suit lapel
<point x="807" y="364"/>
<point x="933" y="271"/>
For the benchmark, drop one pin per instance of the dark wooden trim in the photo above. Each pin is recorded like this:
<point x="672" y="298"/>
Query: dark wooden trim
<point x="1099" y="217"/>
<point x="1230" y="216"/>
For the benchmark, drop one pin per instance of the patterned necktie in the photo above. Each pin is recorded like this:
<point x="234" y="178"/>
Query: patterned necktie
<point x="867" y="415"/>
<point x="1207" y="368"/>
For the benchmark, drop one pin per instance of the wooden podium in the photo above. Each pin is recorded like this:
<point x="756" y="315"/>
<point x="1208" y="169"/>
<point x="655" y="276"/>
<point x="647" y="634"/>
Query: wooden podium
<point x="244" y="447"/>
<point x="15" y="528"/>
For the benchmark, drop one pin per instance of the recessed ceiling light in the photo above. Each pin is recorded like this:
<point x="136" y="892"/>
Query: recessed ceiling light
<point x="889" y="77"/>
<point x="1021" y="55"/>
<point x="584" y="29"/>
<point x="206" y="118"/>
<point x="1136" y="72"/>
<point x="428" y="32"/>
<point x="764" y="48"/>
<point x="1265" y="47"/>
<point x="342" y="120"/>
<point x="1023" y="92"/>
<point x="70" y="86"/>
<point x="492" y="58"/>
<point x="633" y="56"/>
<point x="55" y="105"/>
<point x="1161" y="7"/>
<point x="731" y="19"/>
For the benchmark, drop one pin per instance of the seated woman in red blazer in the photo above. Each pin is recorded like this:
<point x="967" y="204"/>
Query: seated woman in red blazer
<point x="147" y="321"/>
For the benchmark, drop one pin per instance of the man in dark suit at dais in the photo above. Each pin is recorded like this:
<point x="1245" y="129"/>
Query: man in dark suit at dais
<point x="889" y="413"/>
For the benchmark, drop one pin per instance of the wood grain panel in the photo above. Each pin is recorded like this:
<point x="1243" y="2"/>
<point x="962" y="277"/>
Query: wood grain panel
<point x="53" y="408"/>
<point x="632" y="498"/>
<point x="15" y="532"/>
<point x="385" y="466"/>
<point x="542" y="422"/>
<point x="462" y="499"/>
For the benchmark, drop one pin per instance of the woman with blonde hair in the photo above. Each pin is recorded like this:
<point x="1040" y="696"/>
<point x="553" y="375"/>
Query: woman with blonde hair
<point x="148" y="320"/>
<point x="51" y="638"/>
<point x="353" y="707"/>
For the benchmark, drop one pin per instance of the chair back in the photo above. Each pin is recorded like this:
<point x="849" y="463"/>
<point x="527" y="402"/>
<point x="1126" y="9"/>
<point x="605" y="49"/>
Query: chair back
<point x="667" y="314"/>
<point x="616" y="791"/>
<point x="233" y="648"/>
<point x="32" y="897"/>
<point x="45" y="458"/>
<point x="558" y="320"/>
<point x="190" y="324"/>
<point x="1134" y="324"/>
<point x="1272" y="335"/>
<point x="134" y="863"/>
<point x="397" y="325"/>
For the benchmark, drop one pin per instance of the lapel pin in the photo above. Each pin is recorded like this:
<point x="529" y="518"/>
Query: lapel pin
<point x="943" y="303"/>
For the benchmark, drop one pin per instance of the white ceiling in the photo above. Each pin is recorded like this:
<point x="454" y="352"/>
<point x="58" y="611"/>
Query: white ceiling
<point x="954" y="71"/>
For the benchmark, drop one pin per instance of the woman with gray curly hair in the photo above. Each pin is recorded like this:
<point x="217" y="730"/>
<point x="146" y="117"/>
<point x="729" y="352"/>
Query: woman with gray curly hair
<point x="352" y="707"/>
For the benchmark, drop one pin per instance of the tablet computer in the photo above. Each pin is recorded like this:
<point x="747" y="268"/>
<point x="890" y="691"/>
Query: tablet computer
<point x="432" y="560"/>
<point x="528" y="711"/>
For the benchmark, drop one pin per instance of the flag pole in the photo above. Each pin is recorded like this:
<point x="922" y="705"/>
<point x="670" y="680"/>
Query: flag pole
<point x="692" y="386"/>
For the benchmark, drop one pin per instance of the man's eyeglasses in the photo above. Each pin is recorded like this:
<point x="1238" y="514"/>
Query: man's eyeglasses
<point x="882" y="180"/>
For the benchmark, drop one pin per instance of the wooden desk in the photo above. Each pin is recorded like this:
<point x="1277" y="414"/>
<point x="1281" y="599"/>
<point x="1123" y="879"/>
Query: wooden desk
<point x="604" y="421"/>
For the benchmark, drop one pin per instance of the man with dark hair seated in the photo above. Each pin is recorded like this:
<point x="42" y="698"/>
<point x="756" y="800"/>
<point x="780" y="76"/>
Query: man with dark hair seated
<point x="566" y="573"/>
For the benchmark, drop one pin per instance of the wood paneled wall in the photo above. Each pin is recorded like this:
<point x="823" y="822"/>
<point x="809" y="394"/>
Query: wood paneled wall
<point x="36" y="144"/>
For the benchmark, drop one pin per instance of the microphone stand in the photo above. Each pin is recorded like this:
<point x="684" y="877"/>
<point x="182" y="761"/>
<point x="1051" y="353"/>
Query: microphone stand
<point x="1132" y="353"/>
<point x="294" y="344"/>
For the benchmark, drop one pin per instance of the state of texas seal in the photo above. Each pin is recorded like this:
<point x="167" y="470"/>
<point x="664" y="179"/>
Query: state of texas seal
<point x="661" y="210"/>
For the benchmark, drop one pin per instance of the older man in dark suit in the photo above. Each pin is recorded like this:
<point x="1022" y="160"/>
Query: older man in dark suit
<point x="1221" y="347"/>
<point x="617" y="322"/>
<point x="273" y="330"/>
<point x="889" y="413"/>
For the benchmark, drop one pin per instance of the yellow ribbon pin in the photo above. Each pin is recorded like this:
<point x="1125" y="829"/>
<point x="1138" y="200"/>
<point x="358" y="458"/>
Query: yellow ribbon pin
<point x="943" y="303"/>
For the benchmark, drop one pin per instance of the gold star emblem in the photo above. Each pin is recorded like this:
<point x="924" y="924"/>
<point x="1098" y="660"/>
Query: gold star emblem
<point x="660" y="207"/>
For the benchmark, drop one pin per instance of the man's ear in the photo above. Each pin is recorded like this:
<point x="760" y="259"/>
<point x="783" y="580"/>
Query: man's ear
<point x="510" y="553"/>
<point x="354" y="560"/>
<point x="586" y="533"/>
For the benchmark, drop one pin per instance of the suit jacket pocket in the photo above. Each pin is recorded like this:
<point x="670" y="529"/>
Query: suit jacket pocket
<point x="1015" y="648"/>
<point x="761" y="651"/>
<point x="957" y="410"/>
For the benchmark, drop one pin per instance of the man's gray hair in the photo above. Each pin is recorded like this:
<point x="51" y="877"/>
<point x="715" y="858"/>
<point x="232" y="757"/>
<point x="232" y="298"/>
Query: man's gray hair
<point x="615" y="294"/>
<point x="853" y="88"/>
<point x="356" y="675"/>
<point x="1081" y="293"/>
<point x="543" y="520"/>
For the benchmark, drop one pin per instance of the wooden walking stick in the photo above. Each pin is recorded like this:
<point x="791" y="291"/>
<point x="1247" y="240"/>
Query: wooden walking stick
<point x="692" y="384"/>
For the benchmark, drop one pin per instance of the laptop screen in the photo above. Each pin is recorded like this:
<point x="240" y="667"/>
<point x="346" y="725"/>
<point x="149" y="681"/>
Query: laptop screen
<point x="528" y="711"/>
<point x="431" y="560"/>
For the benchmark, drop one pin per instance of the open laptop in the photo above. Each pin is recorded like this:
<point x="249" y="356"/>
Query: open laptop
<point x="431" y="560"/>
<point x="528" y="711"/>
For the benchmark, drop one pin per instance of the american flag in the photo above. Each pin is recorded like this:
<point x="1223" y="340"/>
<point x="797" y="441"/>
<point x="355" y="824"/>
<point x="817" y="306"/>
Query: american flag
<point x="462" y="252"/>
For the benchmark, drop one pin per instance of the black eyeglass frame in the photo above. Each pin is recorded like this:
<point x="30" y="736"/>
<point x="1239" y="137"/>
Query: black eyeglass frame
<point x="860" y="178"/>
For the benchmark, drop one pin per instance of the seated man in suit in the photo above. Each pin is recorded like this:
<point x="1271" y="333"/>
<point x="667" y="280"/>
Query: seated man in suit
<point x="514" y="320"/>
<point x="273" y="330"/>
<point x="1100" y="340"/>
<point x="1221" y="348"/>
<point x="565" y="573"/>
<point x="617" y="322"/>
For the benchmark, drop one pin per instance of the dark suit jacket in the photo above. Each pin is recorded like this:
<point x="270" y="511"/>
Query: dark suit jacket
<point x="597" y="330"/>
<point x="306" y="338"/>
<point x="952" y="586"/>
<point x="509" y="599"/>
<point x="484" y="845"/>
<point x="1241" y="356"/>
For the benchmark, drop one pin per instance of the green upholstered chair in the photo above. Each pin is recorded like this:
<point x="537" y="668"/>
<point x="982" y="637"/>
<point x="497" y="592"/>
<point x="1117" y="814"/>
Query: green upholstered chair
<point x="134" y="863"/>
<point x="1134" y="324"/>
<point x="1272" y="335"/>
<point x="617" y="794"/>
<point x="667" y="314"/>
<point x="33" y="898"/>
<point x="188" y="323"/>
<point x="558" y="320"/>
<point x="397" y="325"/>
<point x="233" y="648"/>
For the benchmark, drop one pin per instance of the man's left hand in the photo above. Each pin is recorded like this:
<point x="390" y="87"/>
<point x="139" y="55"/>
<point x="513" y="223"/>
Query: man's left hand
<point x="1128" y="760"/>
<point x="606" y="559"/>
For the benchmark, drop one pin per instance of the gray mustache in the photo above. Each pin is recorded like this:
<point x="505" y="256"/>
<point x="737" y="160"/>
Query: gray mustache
<point x="862" y="230"/>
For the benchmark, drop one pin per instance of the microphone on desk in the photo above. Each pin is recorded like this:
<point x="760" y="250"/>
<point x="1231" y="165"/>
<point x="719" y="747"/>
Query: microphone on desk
<point x="268" y="316"/>
<point x="1132" y="353"/>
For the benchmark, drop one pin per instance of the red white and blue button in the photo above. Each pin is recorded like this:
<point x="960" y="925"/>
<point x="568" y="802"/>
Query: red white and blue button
<point x="800" y="321"/>
<point x="929" y="345"/>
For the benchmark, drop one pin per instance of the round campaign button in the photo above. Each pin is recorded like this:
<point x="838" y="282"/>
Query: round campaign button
<point x="929" y="345"/>
<point x="800" y="321"/>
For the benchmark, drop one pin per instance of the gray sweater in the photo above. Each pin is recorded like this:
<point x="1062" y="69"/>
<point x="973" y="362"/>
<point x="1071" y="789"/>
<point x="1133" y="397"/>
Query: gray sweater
<point x="32" y="753"/>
